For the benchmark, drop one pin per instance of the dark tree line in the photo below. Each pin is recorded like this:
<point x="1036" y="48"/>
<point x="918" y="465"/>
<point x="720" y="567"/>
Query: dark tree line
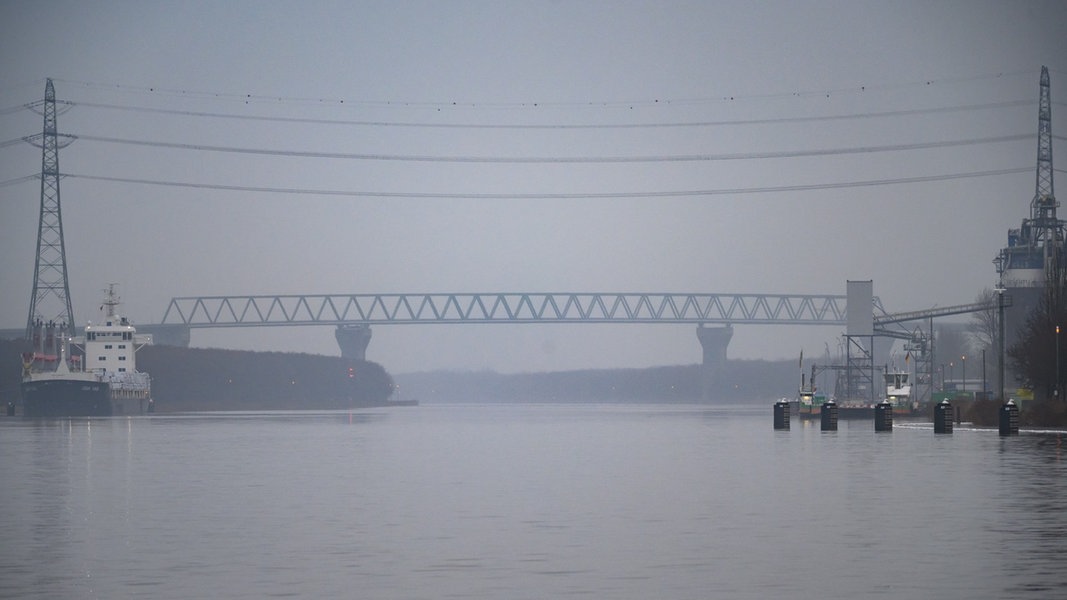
<point x="185" y="379"/>
<point x="1038" y="355"/>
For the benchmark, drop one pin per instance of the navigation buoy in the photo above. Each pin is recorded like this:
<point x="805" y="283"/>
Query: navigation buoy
<point x="943" y="417"/>
<point x="829" y="416"/>
<point x="1009" y="418"/>
<point x="781" y="415"/>
<point x="883" y="416"/>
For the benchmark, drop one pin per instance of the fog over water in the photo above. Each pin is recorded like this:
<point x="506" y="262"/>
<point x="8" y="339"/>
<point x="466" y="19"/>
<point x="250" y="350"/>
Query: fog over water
<point x="233" y="148"/>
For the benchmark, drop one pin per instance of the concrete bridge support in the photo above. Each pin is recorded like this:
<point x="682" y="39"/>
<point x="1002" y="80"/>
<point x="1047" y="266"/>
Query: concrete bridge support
<point x="714" y="341"/>
<point x="353" y="340"/>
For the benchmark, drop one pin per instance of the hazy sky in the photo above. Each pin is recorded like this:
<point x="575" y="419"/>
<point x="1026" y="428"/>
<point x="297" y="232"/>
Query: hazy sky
<point x="455" y="79"/>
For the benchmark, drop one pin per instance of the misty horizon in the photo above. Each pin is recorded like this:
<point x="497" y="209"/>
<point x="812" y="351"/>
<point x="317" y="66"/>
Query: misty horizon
<point x="728" y="148"/>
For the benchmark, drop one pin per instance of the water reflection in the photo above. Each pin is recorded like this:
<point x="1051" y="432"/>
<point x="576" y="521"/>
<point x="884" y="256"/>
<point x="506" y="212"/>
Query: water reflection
<point x="1030" y="519"/>
<point x="526" y="501"/>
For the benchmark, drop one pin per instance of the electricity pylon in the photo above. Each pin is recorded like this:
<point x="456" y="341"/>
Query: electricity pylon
<point x="50" y="301"/>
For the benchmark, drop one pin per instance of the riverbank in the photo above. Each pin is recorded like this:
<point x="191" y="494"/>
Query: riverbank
<point x="986" y="413"/>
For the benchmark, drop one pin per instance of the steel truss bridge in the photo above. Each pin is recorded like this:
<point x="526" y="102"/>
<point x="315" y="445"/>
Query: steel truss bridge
<point x="382" y="309"/>
<point x="364" y="310"/>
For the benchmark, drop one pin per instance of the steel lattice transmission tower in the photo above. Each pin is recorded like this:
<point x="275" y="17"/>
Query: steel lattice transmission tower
<point x="1035" y="247"/>
<point x="1043" y="206"/>
<point x="50" y="301"/>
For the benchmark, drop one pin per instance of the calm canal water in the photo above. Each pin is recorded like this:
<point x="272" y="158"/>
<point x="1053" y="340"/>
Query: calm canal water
<point x="526" y="501"/>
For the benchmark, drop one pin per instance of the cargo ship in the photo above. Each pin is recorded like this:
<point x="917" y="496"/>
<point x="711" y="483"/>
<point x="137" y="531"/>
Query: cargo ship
<point x="93" y="375"/>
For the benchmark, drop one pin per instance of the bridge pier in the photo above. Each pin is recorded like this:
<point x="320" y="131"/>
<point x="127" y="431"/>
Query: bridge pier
<point x="353" y="340"/>
<point x="714" y="341"/>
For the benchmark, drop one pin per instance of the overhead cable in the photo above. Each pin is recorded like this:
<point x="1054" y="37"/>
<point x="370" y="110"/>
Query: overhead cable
<point x="560" y="159"/>
<point x="558" y="196"/>
<point x="431" y="125"/>
<point x="247" y="97"/>
<point x="12" y="142"/>
<point x="19" y="180"/>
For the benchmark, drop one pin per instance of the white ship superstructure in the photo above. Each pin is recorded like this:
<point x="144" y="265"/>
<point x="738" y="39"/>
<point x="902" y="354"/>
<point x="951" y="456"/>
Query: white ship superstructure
<point x="110" y="350"/>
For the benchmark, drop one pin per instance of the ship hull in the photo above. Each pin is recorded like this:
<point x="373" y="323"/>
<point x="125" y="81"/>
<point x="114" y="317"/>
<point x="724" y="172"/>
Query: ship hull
<point x="68" y="398"/>
<point x="855" y="412"/>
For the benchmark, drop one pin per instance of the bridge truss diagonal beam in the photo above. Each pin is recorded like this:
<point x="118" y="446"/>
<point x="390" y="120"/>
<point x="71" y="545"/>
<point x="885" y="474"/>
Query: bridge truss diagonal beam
<point x="568" y="307"/>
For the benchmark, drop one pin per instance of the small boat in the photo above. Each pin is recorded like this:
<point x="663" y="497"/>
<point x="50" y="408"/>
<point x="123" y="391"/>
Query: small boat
<point x="809" y="400"/>
<point x="898" y="393"/>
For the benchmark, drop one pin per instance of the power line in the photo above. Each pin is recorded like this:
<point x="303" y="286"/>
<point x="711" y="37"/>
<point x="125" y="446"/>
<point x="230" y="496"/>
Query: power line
<point x="19" y="180"/>
<point x="564" y="196"/>
<point x="25" y="178"/>
<point x="561" y="159"/>
<point x="246" y="98"/>
<point x="12" y="142"/>
<point x="533" y="104"/>
<point x="14" y="109"/>
<point x="429" y="125"/>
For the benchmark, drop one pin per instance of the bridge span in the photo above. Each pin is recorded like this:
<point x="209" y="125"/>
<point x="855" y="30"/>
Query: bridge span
<point x="525" y="307"/>
<point x="354" y="314"/>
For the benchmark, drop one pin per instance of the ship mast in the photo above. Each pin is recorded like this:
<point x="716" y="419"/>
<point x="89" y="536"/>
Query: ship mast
<point x="111" y="299"/>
